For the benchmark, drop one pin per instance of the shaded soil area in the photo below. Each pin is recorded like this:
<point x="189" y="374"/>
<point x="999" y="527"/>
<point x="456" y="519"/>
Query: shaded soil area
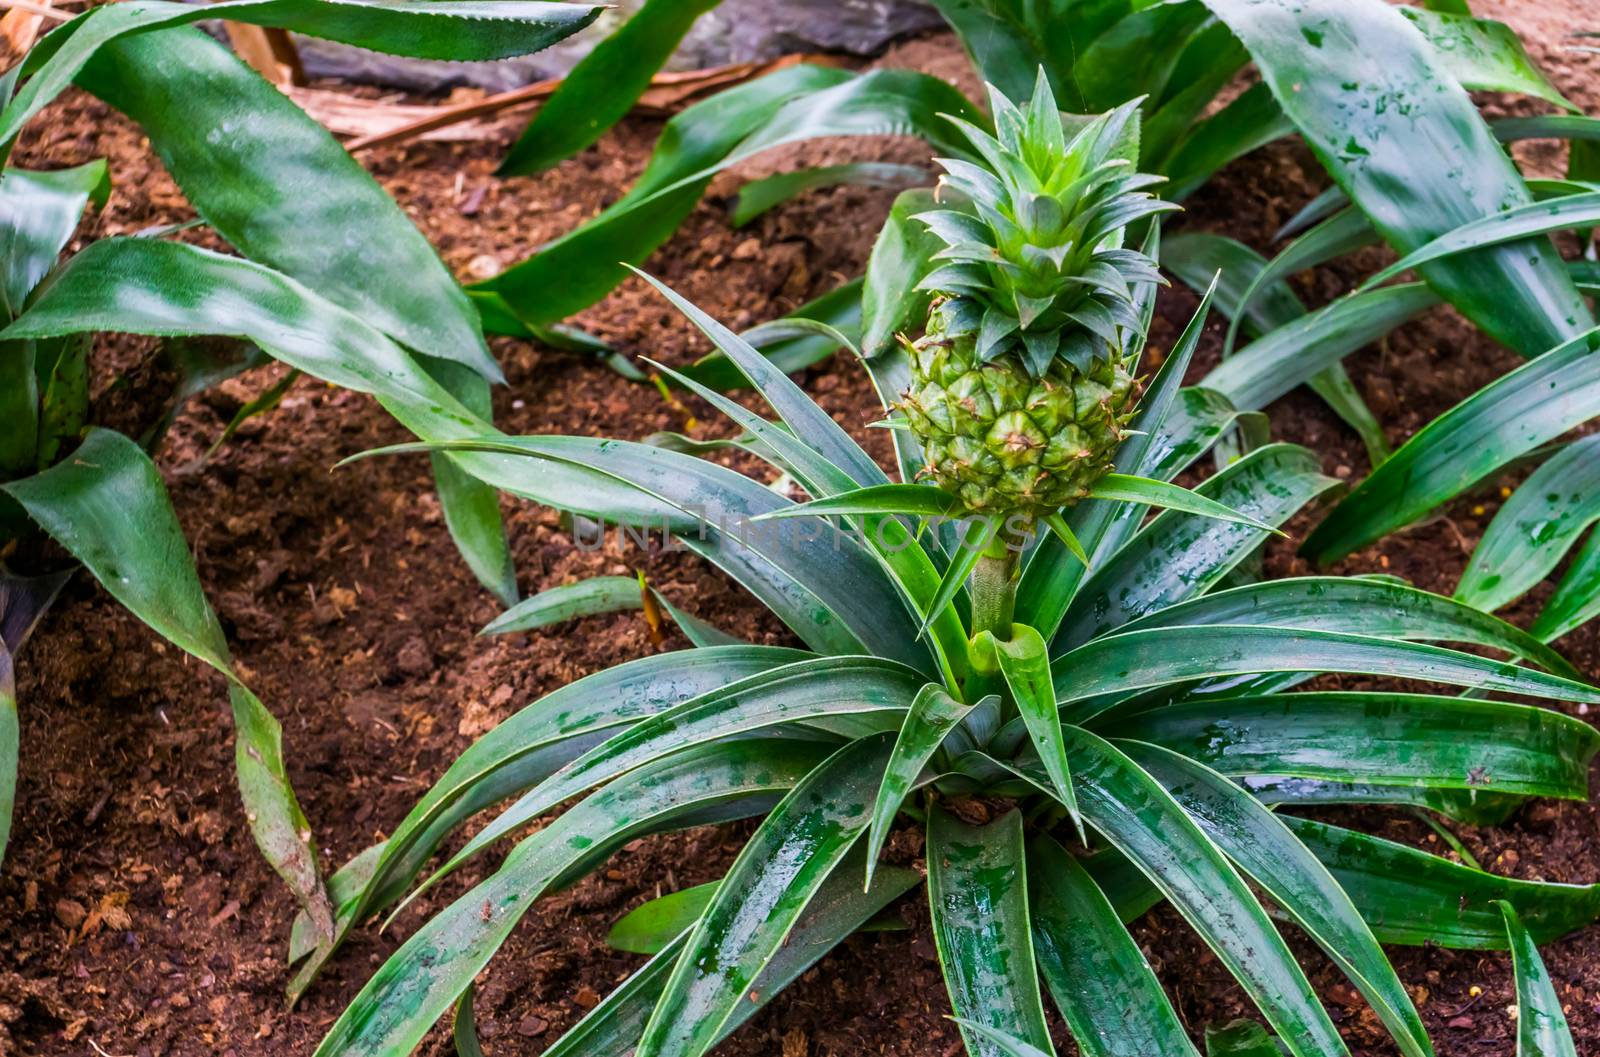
<point x="138" y="918"/>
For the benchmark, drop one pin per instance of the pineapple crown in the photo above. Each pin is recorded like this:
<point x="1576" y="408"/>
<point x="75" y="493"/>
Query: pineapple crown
<point x="1034" y="265"/>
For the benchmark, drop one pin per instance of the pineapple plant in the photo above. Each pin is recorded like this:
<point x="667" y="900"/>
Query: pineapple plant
<point x="1020" y="385"/>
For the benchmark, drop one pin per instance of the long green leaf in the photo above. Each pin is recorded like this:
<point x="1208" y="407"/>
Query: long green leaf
<point x="598" y="594"/>
<point x="1255" y="839"/>
<point x="874" y="693"/>
<point x="651" y="928"/>
<point x="1384" y="739"/>
<point x="519" y="753"/>
<point x="1519" y="222"/>
<point x="1137" y="659"/>
<point x="913" y="500"/>
<point x="425" y="29"/>
<point x="1025" y="662"/>
<point x="1484" y="55"/>
<point x="1577" y="597"/>
<point x="1180" y="555"/>
<point x="1142" y="820"/>
<point x="978" y="895"/>
<point x="1253" y="295"/>
<point x="422" y="980"/>
<point x="39" y="211"/>
<point x="759" y="196"/>
<point x="887" y="538"/>
<point x="838" y="909"/>
<point x="839" y="308"/>
<point x="1097" y="975"/>
<point x="1127" y="488"/>
<point x="107" y="505"/>
<point x="931" y="718"/>
<point x="471" y="507"/>
<point x="1417" y="170"/>
<point x="1297" y="352"/>
<point x="1360" y="606"/>
<point x="1411" y="897"/>
<point x="141" y="285"/>
<point x="1511" y="416"/>
<point x="1541" y="521"/>
<point x="265" y="183"/>
<point x="602" y="88"/>
<point x="1541" y="1025"/>
<point x="777" y="874"/>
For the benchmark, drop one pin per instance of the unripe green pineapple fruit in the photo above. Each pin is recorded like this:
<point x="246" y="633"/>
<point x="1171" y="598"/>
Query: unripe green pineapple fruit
<point x="1020" y="386"/>
<point x="1002" y="440"/>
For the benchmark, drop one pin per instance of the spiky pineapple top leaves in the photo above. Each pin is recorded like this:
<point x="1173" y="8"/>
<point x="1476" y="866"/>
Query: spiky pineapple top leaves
<point x="1036" y="268"/>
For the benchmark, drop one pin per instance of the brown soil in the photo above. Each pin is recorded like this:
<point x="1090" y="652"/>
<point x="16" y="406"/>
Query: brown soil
<point x="141" y="921"/>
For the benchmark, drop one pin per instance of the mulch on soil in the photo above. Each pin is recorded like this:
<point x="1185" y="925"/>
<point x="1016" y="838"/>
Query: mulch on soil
<point x="141" y="920"/>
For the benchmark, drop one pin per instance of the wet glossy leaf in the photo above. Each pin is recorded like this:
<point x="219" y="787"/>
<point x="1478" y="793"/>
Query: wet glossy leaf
<point x="1410" y="897"/>
<point x="1541" y="1025"/>
<point x="1178" y="556"/>
<point x="1097" y="975"/>
<point x="1133" y="660"/>
<point x="1360" y="606"/>
<point x="931" y="718"/>
<point x="1296" y="881"/>
<point x="522" y="751"/>
<point x="424" y="978"/>
<point x="1140" y="818"/>
<point x="263" y="183"/>
<point x="838" y="909"/>
<point x="1416" y="740"/>
<point x="1329" y="65"/>
<point x="1253" y="295"/>
<point x="1535" y="528"/>
<point x="1511" y="416"/>
<point x="1532" y="218"/>
<point x="978" y="896"/>
<point x="1025" y="663"/>
<point x="1577" y="597"/>
<point x="767" y="888"/>
<point x="39" y="211"/>
<point x="1127" y="488"/>
<point x="1297" y="352"/>
<point x="873" y="693"/>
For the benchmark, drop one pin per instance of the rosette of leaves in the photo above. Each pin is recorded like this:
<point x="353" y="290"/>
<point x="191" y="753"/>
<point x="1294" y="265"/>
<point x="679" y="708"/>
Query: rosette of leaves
<point x="1138" y="728"/>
